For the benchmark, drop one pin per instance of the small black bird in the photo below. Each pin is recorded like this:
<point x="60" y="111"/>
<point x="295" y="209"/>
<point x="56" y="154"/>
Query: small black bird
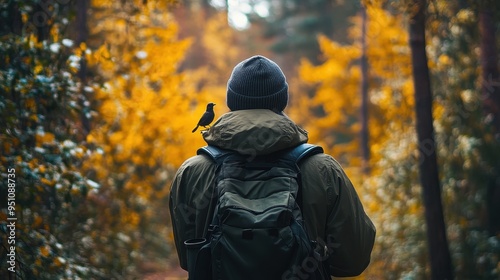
<point x="207" y="117"/>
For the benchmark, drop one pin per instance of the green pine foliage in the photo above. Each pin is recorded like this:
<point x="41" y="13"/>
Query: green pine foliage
<point x="294" y="26"/>
<point x="42" y="148"/>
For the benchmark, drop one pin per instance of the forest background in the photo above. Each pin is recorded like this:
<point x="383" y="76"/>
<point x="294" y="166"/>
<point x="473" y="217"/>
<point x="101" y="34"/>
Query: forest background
<point x="98" y="99"/>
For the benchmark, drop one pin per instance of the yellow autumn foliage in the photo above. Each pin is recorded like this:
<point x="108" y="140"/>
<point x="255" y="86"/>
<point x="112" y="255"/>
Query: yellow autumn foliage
<point x="44" y="138"/>
<point x="147" y="108"/>
<point x="335" y="105"/>
<point x="45" y="251"/>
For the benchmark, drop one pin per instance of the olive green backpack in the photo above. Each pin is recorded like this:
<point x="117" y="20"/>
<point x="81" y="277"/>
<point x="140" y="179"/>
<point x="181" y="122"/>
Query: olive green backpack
<point x="257" y="230"/>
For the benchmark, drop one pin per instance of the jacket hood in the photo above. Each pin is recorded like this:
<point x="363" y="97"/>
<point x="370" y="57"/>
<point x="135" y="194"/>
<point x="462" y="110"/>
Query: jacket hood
<point x="255" y="132"/>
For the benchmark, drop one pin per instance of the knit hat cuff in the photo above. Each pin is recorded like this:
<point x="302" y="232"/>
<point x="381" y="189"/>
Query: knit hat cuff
<point x="276" y="101"/>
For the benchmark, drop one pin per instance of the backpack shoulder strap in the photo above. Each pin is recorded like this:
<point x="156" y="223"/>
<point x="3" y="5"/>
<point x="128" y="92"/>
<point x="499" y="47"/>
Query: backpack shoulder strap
<point x="302" y="151"/>
<point x="215" y="153"/>
<point x="297" y="154"/>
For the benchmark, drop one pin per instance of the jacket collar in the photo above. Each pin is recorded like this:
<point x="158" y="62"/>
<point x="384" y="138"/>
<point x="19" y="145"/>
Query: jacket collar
<point x="255" y="132"/>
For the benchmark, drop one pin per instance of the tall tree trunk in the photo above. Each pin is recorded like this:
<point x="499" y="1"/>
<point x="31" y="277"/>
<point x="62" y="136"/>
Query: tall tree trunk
<point x="11" y="21"/>
<point x="82" y="33"/>
<point x="490" y="74"/>
<point x="82" y="30"/>
<point x="490" y="88"/>
<point x="365" y="148"/>
<point x="439" y="254"/>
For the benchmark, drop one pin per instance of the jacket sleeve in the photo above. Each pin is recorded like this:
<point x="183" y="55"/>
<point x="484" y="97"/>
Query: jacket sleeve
<point x="336" y="216"/>
<point x="190" y="196"/>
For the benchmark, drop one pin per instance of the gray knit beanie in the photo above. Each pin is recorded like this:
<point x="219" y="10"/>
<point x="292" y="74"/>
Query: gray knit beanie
<point x="257" y="83"/>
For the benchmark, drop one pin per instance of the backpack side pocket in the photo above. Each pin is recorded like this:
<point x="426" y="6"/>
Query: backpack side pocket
<point x="199" y="259"/>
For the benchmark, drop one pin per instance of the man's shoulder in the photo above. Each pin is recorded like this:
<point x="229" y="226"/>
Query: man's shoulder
<point x="320" y="159"/>
<point x="322" y="165"/>
<point x="197" y="162"/>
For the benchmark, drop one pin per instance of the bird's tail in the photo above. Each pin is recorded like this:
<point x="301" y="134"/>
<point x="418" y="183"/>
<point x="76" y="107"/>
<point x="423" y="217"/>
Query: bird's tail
<point x="195" y="128"/>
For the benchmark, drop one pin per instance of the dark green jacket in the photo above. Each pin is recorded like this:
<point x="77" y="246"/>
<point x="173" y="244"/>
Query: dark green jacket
<point x="331" y="207"/>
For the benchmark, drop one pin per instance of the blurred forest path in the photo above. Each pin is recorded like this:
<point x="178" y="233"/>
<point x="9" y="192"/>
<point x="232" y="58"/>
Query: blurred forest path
<point x="169" y="270"/>
<point x="174" y="273"/>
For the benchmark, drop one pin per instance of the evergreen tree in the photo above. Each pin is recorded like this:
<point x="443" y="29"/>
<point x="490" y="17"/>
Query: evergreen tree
<point x="42" y="144"/>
